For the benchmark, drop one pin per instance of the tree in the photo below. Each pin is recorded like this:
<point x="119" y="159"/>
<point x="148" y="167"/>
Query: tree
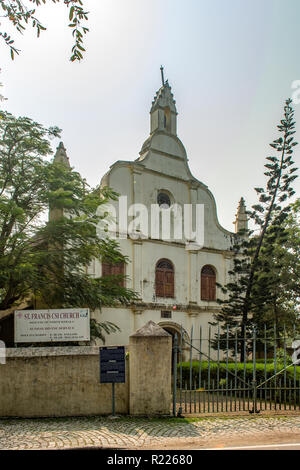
<point x="275" y="296"/>
<point x="18" y="13"/>
<point x="49" y="260"/>
<point x="251" y="250"/>
<point x="291" y="259"/>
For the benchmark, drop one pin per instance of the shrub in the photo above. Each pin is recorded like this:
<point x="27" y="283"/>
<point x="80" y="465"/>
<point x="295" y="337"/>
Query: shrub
<point x="260" y="373"/>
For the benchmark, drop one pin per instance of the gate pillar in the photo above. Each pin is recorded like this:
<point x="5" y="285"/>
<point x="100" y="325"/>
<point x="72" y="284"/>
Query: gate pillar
<point x="150" y="353"/>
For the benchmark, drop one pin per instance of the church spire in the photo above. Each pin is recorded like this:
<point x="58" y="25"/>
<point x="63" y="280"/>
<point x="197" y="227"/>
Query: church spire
<point x="163" y="110"/>
<point x="56" y="213"/>
<point x="61" y="155"/>
<point x="241" y="218"/>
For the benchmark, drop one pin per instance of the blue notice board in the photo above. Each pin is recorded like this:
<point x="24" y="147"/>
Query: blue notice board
<point x="112" y="364"/>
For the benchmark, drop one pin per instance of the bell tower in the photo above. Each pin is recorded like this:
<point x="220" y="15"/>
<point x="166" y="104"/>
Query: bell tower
<point x="61" y="158"/>
<point x="61" y="155"/>
<point x="241" y="218"/>
<point x="163" y="111"/>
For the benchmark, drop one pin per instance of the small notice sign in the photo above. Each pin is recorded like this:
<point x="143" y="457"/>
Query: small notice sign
<point x="112" y="364"/>
<point x="67" y="324"/>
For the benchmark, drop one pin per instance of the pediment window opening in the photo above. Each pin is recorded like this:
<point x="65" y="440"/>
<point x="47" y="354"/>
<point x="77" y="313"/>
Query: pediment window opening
<point x="163" y="200"/>
<point x="164" y="279"/>
<point x="208" y="283"/>
<point x="168" y="217"/>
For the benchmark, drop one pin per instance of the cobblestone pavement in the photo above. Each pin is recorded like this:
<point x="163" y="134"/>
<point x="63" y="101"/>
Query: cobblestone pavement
<point x="66" y="433"/>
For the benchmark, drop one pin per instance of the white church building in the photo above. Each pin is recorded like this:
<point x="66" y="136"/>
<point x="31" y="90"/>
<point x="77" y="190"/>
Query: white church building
<point x="174" y="277"/>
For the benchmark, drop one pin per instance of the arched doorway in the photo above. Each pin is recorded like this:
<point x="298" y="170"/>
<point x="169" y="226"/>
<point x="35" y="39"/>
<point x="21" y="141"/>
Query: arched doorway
<point x="173" y="329"/>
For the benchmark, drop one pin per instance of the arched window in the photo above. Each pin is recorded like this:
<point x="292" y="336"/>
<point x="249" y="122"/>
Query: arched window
<point x="208" y="283"/>
<point x="109" y="269"/>
<point x="164" y="279"/>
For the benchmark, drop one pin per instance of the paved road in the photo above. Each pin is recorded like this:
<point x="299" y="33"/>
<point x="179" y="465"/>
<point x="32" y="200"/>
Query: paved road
<point x="285" y="446"/>
<point x="130" y="433"/>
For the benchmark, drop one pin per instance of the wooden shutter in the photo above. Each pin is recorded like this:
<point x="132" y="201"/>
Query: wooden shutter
<point x="117" y="268"/>
<point x="204" y="287"/>
<point x="164" y="279"/>
<point x="208" y="283"/>
<point x="212" y="288"/>
<point x="109" y="269"/>
<point x="106" y="269"/>
<point x="169" y="284"/>
<point x="159" y="283"/>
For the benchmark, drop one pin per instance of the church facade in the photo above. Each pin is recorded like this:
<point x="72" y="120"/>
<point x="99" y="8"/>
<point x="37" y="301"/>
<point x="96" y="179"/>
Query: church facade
<point x="174" y="276"/>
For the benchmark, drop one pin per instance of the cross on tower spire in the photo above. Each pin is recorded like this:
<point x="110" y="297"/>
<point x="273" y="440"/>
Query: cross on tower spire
<point x="162" y="75"/>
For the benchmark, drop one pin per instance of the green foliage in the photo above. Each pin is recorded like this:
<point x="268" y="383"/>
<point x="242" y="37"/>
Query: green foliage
<point x="19" y="15"/>
<point x="260" y="372"/>
<point x="97" y="330"/>
<point x="276" y="285"/>
<point x="23" y="189"/>
<point x="260" y="290"/>
<point x="49" y="260"/>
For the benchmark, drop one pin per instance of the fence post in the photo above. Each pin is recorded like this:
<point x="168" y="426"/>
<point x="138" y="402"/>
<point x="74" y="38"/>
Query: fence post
<point x="254" y="383"/>
<point x="150" y="369"/>
<point x="179" y="414"/>
<point x="175" y="349"/>
<point x="254" y="394"/>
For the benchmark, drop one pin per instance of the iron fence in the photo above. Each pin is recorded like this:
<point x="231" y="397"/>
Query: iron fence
<point x="229" y="373"/>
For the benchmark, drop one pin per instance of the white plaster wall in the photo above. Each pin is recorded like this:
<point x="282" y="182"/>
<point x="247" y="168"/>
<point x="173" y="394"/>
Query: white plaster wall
<point x="163" y="166"/>
<point x="121" y="317"/>
<point x="143" y="258"/>
<point x="143" y="188"/>
<point x="129" y="322"/>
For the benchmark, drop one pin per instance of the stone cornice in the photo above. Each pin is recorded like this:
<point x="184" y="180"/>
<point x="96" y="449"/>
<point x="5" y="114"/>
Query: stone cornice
<point x="164" y="153"/>
<point x="191" y="309"/>
<point x="226" y="253"/>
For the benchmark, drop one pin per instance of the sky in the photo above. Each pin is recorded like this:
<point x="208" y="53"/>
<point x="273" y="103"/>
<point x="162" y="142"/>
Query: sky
<point x="231" y="65"/>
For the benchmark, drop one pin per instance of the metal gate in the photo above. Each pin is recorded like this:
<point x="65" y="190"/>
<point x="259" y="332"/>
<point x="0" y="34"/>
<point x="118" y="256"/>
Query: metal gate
<point x="250" y="374"/>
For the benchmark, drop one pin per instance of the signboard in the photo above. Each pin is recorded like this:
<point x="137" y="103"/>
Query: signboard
<point x="67" y="324"/>
<point x="112" y="364"/>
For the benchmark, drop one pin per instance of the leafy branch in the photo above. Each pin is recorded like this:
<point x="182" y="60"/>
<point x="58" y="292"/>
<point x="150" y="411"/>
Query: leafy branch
<point x="20" y="16"/>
